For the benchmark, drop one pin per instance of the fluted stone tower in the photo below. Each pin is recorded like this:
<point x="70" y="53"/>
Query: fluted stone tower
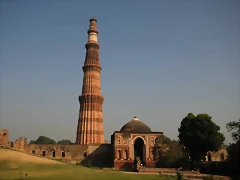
<point x="90" y="123"/>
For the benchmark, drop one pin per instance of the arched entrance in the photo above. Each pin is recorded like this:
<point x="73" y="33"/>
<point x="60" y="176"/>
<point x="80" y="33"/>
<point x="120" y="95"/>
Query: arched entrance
<point x="139" y="149"/>
<point x="53" y="153"/>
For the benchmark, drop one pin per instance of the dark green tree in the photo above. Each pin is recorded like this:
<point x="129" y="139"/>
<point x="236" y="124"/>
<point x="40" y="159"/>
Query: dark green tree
<point x="64" y="142"/>
<point x="199" y="134"/>
<point x="43" y="140"/>
<point x="234" y="128"/>
<point x="233" y="149"/>
<point x="32" y="142"/>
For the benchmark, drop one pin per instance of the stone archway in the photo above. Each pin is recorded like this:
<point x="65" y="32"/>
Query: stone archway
<point x="139" y="149"/>
<point x="53" y="153"/>
<point x="63" y="154"/>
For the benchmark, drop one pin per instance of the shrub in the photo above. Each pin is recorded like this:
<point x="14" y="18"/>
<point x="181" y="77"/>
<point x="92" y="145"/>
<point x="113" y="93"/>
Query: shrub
<point x="179" y="175"/>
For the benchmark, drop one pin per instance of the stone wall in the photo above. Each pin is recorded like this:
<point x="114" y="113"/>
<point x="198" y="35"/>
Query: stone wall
<point x="4" y="138"/>
<point x="68" y="153"/>
<point x="124" y="164"/>
<point x="96" y="154"/>
<point x="20" y="144"/>
<point x="220" y="155"/>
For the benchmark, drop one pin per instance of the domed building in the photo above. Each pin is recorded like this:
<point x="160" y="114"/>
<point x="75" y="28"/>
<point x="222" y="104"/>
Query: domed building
<point x="134" y="140"/>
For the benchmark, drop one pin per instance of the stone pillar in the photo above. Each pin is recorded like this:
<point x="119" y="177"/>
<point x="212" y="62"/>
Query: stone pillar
<point x="116" y="153"/>
<point x="129" y="158"/>
<point x="131" y="150"/>
<point x="122" y="154"/>
<point x="90" y="123"/>
<point x="147" y="147"/>
<point x="144" y="153"/>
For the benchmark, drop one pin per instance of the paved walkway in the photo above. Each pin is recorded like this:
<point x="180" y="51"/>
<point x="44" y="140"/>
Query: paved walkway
<point x="169" y="174"/>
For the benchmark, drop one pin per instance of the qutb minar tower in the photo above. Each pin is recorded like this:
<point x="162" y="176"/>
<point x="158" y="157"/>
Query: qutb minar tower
<point x="90" y="121"/>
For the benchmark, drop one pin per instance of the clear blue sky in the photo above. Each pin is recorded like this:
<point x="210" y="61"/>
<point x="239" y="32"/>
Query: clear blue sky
<point x="161" y="60"/>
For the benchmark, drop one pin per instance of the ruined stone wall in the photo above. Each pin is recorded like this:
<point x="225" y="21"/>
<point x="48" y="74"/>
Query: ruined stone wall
<point x="4" y="138"/>
<point x="220" y="155"/>
<point x="68" y="153"/>
<point x="96" y="154"/>
<point x="20" y="143"/>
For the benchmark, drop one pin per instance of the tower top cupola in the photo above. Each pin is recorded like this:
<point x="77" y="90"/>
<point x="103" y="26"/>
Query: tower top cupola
<point x="92" y="31"/>
<point x="93" y="19"/>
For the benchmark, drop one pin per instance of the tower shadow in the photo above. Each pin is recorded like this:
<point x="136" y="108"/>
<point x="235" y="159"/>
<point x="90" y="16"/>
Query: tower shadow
<point x="102" y="157"/>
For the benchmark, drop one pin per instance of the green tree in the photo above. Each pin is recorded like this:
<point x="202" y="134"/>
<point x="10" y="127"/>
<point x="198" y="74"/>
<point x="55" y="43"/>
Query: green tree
<point x="234" y="128"/>
<point x="233" y="149"/>
<point x="64" y="142"/>
<point x="32" y="142"/>
<point x="43" y="140"/>
<point x="199" y="134"/>
<point x="160" y="145"/>
<point x="168" y="153"/>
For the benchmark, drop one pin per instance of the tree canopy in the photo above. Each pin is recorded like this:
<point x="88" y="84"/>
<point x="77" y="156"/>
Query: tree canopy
<point x="234" y="128"/>
<point x="64" y="142"/>
<point x="168" y="153"/>
<point x="43" y="140"/>
<point x="234" y="149"/>
<point x="199" y="134"/>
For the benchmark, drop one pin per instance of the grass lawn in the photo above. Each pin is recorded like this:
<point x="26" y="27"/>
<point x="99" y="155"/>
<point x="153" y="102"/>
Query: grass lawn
<point x="67" y="171"/>
<point x="17" y="169"/>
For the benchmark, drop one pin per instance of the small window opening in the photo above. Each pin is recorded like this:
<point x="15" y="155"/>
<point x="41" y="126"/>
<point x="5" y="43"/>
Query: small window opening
<point x="63" y="154"/>
<point x="33" y="151"/>
<point x="85" y="154"/>
<point x="43" y="153"/>
<point x="4" y="134"/>
<point x="53" y="154"/>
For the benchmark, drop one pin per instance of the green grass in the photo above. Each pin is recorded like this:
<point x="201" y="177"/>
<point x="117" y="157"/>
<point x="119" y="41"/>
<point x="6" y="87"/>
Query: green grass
<point x="18" y="170"/>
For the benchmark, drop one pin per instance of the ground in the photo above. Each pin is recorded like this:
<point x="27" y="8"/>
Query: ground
<point x="18" y="165"/>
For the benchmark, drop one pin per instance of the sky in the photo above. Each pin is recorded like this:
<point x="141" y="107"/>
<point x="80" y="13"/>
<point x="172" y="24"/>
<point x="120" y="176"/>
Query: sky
<point x="160" y="61"/>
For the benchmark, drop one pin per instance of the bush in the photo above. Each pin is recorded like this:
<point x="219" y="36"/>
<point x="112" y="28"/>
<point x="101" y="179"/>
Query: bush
<point x="218" y="168"/>
<point x="179" y="175"/>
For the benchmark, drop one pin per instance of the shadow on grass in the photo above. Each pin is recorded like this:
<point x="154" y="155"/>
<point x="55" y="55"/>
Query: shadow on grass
<point x="99" y="158"/>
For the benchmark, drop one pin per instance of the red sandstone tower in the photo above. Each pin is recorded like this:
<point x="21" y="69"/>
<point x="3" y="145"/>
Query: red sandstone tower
<point x="90" y="122"/>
